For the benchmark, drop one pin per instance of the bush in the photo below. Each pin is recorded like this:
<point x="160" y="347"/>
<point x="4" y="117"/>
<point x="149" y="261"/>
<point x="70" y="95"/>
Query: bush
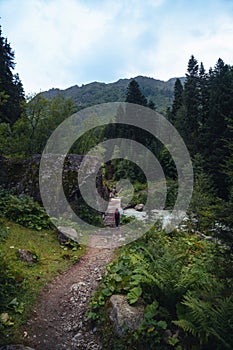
<point x="24" y="211"/>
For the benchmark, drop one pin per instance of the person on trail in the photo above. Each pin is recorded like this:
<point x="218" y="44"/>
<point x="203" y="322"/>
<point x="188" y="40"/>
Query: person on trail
<point x="114" y="190"/>
<point x="117" y="218"/>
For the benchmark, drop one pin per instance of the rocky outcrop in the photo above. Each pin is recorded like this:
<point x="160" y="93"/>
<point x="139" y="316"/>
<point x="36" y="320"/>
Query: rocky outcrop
<point x="125" y="318"/>
<point x="23" y="175"/>
<point x="66" y="233"/>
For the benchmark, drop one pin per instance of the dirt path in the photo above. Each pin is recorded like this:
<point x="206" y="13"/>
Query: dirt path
<point x="58" y="321"/>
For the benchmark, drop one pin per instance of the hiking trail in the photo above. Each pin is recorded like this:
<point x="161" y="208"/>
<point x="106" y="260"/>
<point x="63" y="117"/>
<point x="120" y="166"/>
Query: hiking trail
<point x="58" y="320"/>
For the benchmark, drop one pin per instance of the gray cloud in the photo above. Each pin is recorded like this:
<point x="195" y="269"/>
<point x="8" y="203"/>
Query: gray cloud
<point x="66" y="42"/>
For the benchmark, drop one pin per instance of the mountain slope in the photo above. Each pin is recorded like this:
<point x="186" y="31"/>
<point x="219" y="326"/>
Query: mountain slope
<point x="160" y="92"/>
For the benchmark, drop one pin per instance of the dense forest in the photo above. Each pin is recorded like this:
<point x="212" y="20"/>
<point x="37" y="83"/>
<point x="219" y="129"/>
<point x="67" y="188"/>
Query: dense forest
<point x="184" y="277"/>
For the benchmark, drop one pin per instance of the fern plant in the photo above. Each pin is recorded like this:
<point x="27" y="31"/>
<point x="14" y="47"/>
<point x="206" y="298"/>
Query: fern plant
<point x="210" y="322"/>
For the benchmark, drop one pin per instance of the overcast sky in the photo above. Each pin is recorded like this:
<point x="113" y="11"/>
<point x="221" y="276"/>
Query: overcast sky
<point x="60" y="43"/>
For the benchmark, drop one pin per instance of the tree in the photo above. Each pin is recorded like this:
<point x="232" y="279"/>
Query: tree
<point x="178" y="100"/>
<point x="192" y="103"/>
<point x="29" y="134"/>
<point x="151" y="105"/>
<point x="11" y="89"/>
<point x="134" y="95"/>
<point x="215" y="130"/>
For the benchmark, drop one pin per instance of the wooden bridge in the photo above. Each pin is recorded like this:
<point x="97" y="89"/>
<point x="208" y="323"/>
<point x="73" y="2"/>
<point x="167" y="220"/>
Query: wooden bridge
<point x="114" y="203"/>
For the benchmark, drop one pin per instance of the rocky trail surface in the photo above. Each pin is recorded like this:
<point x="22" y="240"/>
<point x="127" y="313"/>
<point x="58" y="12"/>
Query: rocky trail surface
<point x="58" y="320"/>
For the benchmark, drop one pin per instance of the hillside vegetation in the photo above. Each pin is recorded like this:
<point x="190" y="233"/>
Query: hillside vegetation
<point x="158" y="91"/>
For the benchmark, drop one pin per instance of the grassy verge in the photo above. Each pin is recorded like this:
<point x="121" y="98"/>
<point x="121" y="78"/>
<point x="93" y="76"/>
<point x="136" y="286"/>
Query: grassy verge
<point x="21" y="282"/>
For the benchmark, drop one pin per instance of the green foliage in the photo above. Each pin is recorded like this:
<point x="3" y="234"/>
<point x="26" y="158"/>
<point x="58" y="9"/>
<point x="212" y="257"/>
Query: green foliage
<point x="202" y="113"/>
<point x="8" y="283"/>
<point x="11" y="89"/>
<point x="3" y="232"/>
<point x="86" y="213"/>
<point x="156" y="91"/>
<point x="167" y="163"/>
<point x="203" y="202"/>
<point x="23" y="211"/>
<point x="208" y="319"/>
<point x="134" y="294"/>
<point x="186" y="284"/>
<point x="31" y="131"/>
<point x="134" y="95"/>
<point x="126" y="219"/>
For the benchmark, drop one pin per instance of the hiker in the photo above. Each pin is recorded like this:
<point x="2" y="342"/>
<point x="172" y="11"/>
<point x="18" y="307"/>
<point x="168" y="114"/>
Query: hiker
<point x="114" y="190"/>
<point x="117" y="218"/>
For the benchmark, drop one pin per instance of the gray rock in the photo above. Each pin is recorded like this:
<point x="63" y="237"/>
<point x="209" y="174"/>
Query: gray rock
<point x="125" y="318"/>
<point x="139" y="207"/>
<point x="66" y="233"/>
<point x="76" y="337"/>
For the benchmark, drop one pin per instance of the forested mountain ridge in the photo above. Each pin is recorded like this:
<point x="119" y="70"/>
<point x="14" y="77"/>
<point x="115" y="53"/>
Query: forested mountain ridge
<point x="158" y="91"/>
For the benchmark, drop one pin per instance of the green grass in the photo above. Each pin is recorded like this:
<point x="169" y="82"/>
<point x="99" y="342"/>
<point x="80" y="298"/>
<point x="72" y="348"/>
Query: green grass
<point x="24" y="281"/>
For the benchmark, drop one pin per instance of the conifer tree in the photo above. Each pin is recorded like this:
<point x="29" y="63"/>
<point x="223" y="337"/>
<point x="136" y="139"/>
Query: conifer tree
<point x="216" y="130"/>
<point x="203" y="95"/>
<point x="178" y="100"/>
<point x="192" y="103"/>
<point x="134" y="95"/>
<point x="11" y="89"/>
<point x="151" y="105"/>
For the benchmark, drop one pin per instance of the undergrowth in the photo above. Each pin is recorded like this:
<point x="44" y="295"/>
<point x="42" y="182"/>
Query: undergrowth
<point x="23" y="210"/>
<point x="186" y="284"/>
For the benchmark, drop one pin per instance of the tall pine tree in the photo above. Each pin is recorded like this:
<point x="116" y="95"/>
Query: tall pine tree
<point x="177" y="102"/>
<point x="215" y="127"/>
<point x="11" y="89"/>
<point x="192" y="103"/>
<point x="134" y="95"/>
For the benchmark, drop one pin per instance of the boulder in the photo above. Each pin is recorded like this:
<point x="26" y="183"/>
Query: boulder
<point x="66" y="233"/>
<point x="23" y="175"/>
<point x="139" y="207"/>
<point x="125" y="318"/>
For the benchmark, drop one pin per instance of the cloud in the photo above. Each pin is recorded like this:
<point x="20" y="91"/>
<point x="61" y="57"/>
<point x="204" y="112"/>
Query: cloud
<point x="50" y="37"/>
<point x="59" y="43"/>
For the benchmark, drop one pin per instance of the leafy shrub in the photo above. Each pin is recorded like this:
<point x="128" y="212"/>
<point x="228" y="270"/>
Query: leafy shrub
<point x="24" y="211"/>
<point x="126" y="219"/>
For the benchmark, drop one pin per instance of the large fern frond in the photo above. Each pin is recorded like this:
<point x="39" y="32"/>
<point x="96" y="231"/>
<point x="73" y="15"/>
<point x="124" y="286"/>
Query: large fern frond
<point x="206" y="319"/>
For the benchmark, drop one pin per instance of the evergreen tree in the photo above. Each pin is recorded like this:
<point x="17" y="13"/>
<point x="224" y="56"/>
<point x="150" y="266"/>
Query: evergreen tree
<point x="216" y="131"/>
<point x="151" y="105"/>
<point x="178" y="100"/>
<point x="134" y="95"/>
<point x="203" y="95"/>
<point x="192" y="104"/>
<point x="11" y="89"/>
